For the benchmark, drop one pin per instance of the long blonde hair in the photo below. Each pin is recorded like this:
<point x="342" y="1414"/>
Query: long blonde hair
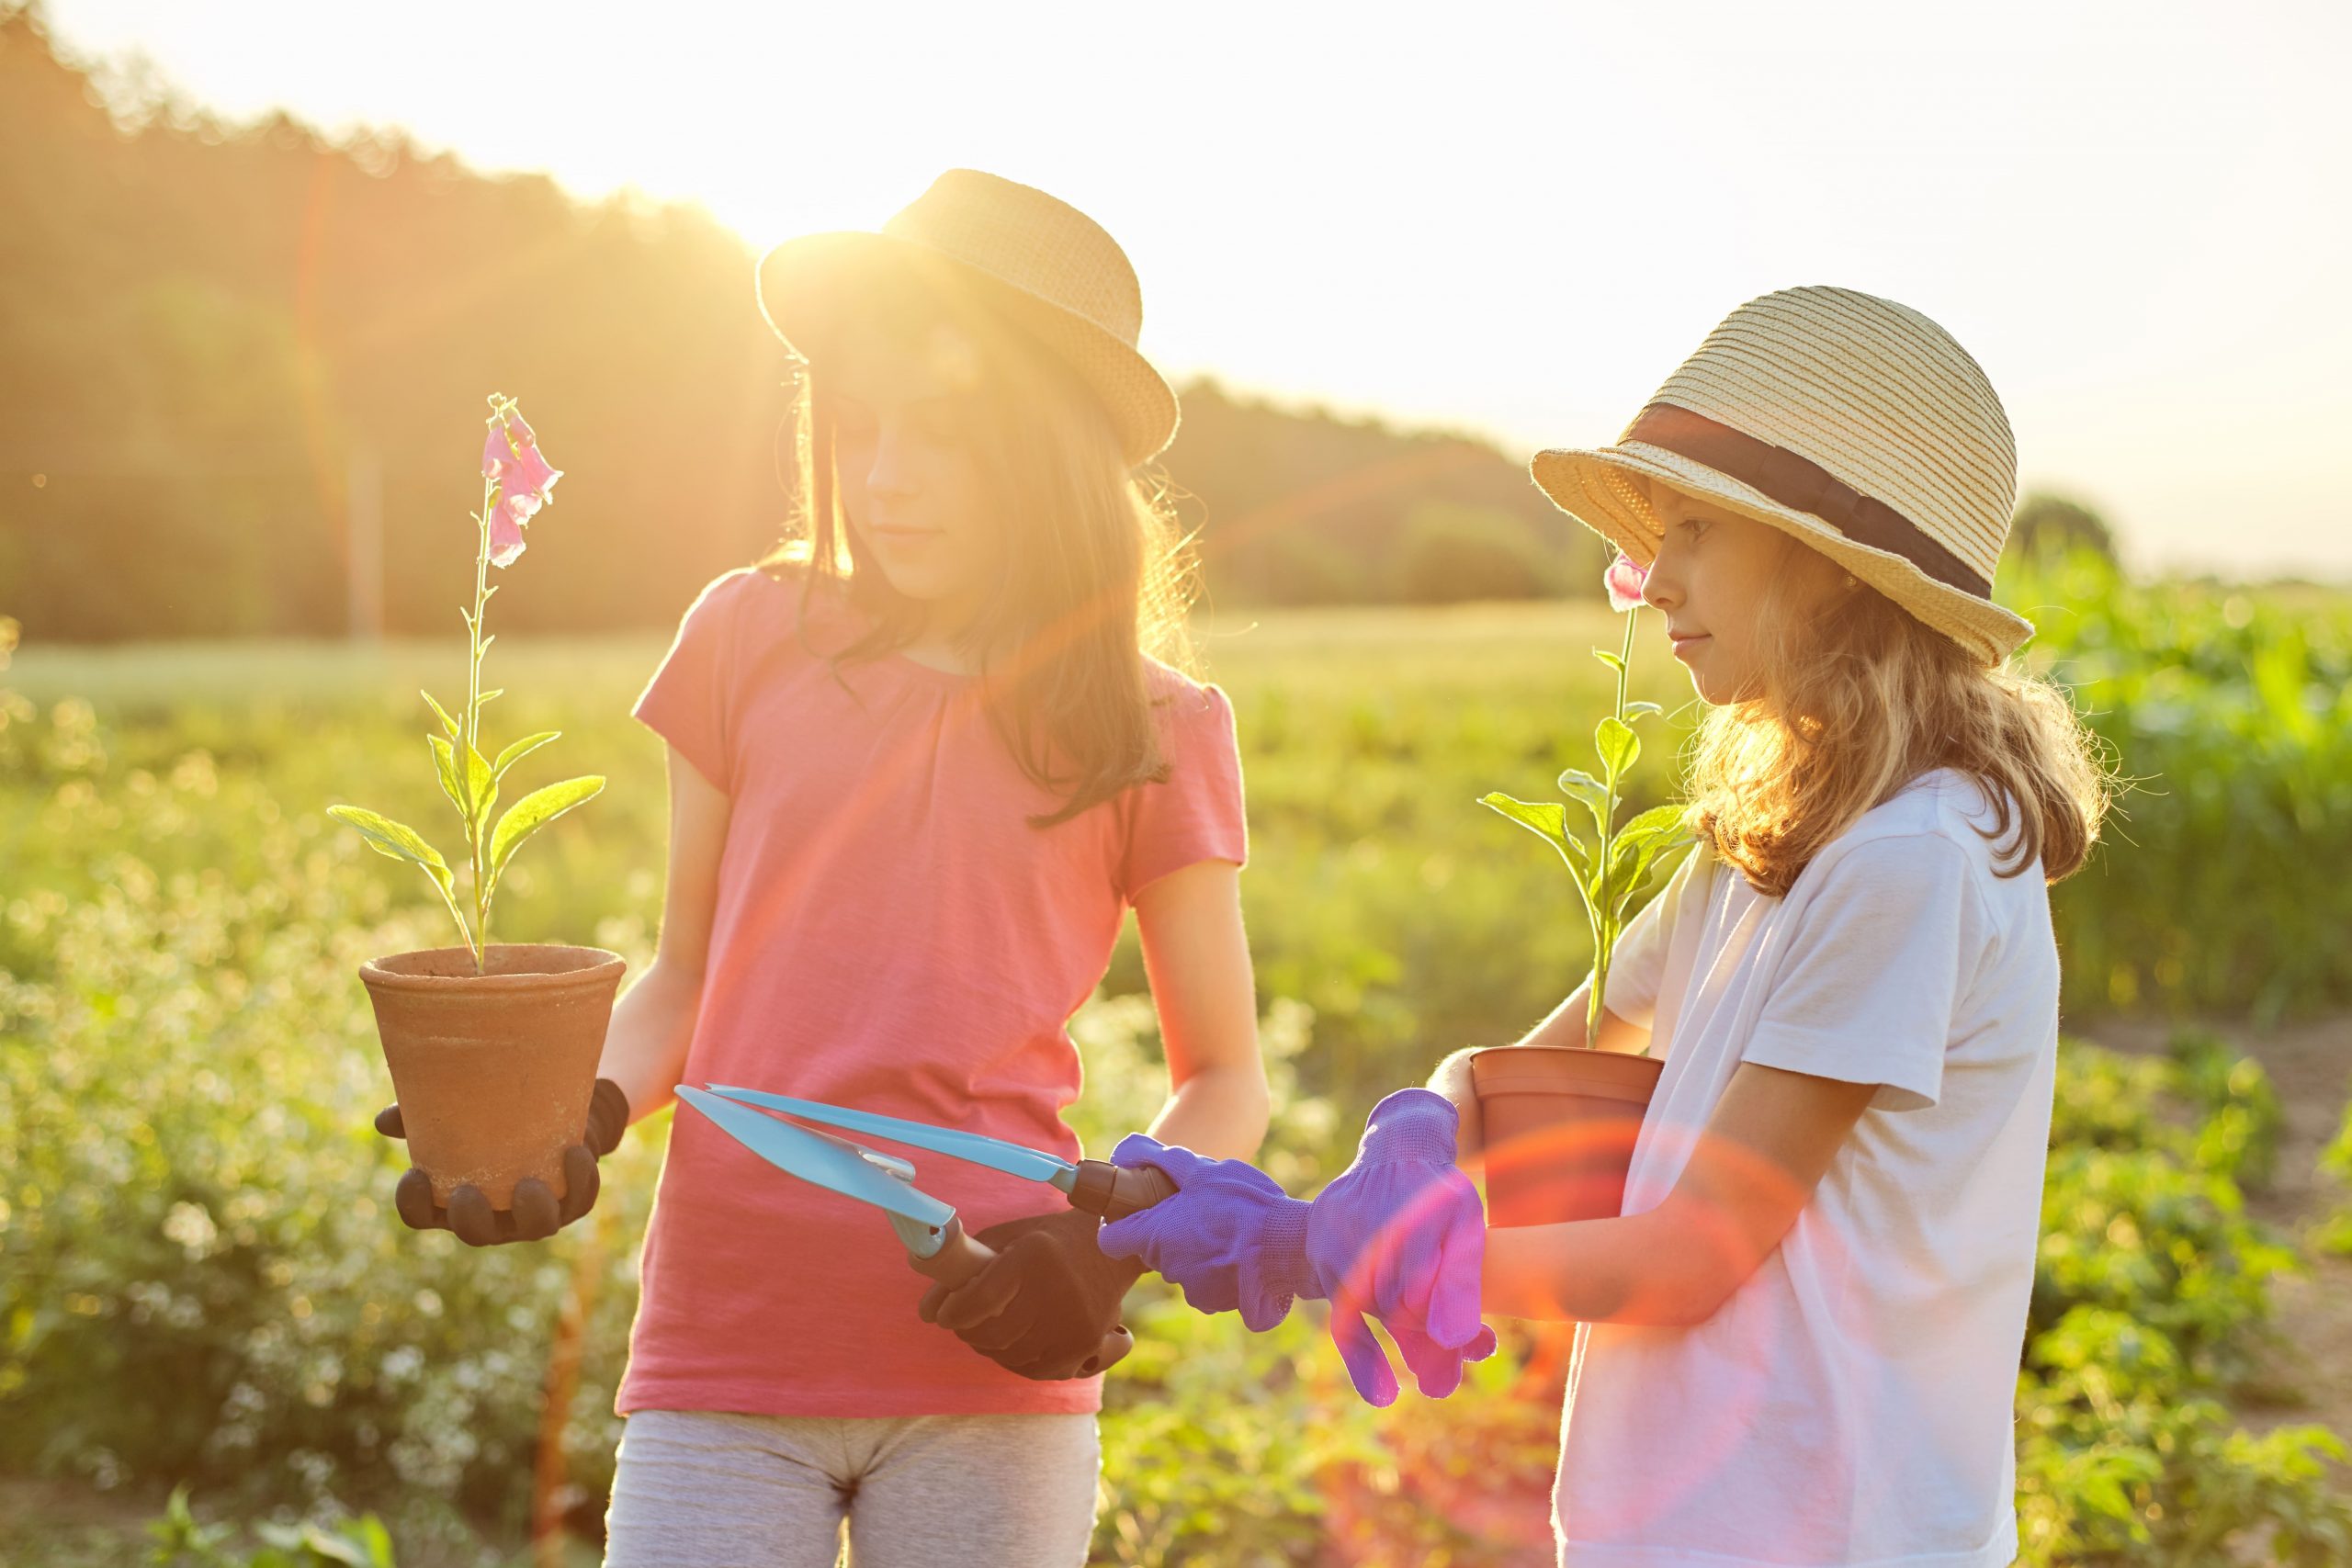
<point x="1856" y="701"/>
<point x="1095" y="573"/>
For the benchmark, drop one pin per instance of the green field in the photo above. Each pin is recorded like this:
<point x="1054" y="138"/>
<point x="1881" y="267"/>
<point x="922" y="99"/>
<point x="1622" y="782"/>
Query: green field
<point x="200" y="1280"/>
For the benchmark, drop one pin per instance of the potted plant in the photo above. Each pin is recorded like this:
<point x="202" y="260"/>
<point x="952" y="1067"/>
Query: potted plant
<point x="1559" y="1122"/>
<point x="493" y="1047"/>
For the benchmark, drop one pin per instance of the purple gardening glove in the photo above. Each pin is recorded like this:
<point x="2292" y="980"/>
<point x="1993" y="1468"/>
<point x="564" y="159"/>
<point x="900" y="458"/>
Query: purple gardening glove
<point x="1231" y="1237"/>
<point x="1400" y="1237"/>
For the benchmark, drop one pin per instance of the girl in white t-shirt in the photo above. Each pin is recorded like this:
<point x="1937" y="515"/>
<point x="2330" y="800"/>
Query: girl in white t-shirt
<point x="1799" y="1344"/>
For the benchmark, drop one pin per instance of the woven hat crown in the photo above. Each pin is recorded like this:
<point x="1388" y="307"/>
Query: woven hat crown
<point x="1034" y="242"/>
<point x="1041" y="261"/>
<point x="1876" y="393"/>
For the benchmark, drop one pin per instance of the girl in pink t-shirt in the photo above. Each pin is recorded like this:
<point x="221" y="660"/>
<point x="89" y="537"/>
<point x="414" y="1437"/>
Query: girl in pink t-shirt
<point x="923" y="761"/>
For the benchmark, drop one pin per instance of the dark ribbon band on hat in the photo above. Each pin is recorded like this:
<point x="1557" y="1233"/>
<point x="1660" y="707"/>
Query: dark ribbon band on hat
<point x="1802" y="483"/>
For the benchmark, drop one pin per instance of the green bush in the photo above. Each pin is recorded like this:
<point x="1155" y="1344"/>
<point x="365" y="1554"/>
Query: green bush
<point x="182" y="1542"/>
<point x="2151" y="1285"/>
<point x="2232" y="714"/>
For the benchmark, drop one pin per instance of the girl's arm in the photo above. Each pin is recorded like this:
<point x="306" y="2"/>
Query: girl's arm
<point x="1197" y="960"/>
<point x="1750" y="1173"/>
<point x="645" y="1044"/>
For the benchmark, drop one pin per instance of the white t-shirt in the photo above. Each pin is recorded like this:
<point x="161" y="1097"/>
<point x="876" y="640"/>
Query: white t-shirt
<point x="1851" y="1403"/>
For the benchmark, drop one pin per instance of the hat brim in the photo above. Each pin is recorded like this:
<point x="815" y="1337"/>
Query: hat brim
<point x="1592" y="487"/>
<point x="799" y="283"/>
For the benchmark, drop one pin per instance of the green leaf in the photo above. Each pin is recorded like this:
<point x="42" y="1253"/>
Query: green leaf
<point x="396" y="841"/>
<point x="445" y="762"/>
<point x="1665" y="820"/>
<point x="1590" y="791"/>
<point x="447" y="724"/>
<point x="495" y="692"/>
<point x="534" y="811"/>
<point x="521" y="749"/>
<point x="1610" y="659"/>
<point x="1617" y="744"/>
<point x="482" y="784"/>
<point x="1630" y="877"/>
<point x="1643" y="710"/>
<point x="1548" y="820"/>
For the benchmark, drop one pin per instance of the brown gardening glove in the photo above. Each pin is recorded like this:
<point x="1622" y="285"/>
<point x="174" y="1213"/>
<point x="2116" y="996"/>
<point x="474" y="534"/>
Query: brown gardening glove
<point x="536" y="1215"/>
<point x="1041" y="1307"/>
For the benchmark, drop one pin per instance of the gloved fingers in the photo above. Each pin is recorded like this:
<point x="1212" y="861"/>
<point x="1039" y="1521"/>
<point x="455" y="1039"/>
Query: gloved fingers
<point x="472" y="1218"/>
<point x="607" y="1118"/>
<point x="1006" y="1330"/>
<point x="1137" y="1235"/>
<point x="1214" y="1291"/>
<point x="1172" y="1160"/>
<point x="1262" y="1310"/>
<point x="928" y="1308"/>
<point x="981" y="1297"/>
<point x="1060" y="1368"/>
<point x="1438" y="1367"/>
<point x="1454" y="1297"/>
<point x="1415" y="1125"/>
<point x="1367" y="1363"/>
<point x="1050" y="1367"/>
<point x="581" y="1183"/>
<point x="388" y="1121"/>
<point x="535" y="1214"/>
<point x="412" y="1196"/>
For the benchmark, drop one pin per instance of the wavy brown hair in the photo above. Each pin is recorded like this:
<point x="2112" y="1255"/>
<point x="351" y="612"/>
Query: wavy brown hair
<point x="1855" y="699"/>
<point x="1095" y="573"/>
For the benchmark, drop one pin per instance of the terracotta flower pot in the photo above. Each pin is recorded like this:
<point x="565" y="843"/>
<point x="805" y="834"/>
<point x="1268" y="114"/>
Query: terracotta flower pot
<point x="494" y="1071"/>
<point x="1559" y="1124"/>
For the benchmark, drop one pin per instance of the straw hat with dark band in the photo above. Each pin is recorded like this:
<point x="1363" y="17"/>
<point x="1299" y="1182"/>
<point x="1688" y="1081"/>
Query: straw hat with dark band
<point x="1853" y="422"/>
<point x="1037" y="259"/>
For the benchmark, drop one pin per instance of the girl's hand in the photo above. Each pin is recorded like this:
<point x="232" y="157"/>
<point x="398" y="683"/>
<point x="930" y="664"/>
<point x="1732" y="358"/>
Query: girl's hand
<point x="1231" y="1238"/>
<point x="1400" y="1235"/>
<point x="1044" y="1304"/>
<point x="535" y="1213"/>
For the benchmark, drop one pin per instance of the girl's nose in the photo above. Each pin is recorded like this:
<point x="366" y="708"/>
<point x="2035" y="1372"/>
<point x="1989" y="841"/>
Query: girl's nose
<point x="891" y="473"/>
<point x="1661" y="590"/>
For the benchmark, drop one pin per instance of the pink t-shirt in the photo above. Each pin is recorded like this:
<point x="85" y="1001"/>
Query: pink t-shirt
<point x="890" y="934"/>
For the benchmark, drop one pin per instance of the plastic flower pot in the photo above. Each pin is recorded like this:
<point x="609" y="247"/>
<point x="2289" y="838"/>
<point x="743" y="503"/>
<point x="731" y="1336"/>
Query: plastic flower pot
<point x="494" y="1070"/>
<point x="1558" y="1124"/>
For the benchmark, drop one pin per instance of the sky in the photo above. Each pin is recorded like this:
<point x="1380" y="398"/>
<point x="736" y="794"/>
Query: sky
<point x="1510" y="219"/>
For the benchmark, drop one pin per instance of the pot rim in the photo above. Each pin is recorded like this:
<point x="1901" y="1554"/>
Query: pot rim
<point x="1563" y="1069"/>
<point x="609" y="965"/>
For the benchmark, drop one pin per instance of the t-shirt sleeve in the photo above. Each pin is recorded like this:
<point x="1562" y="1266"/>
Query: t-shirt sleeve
<point x="1195" y="813"/>
<point x="1875" y="970"/>
<point x="1637" y="969"/>
<point x="690" y="700"/>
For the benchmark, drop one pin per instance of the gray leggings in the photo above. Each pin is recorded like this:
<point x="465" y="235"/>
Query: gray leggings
<point x="705" y="1489"/>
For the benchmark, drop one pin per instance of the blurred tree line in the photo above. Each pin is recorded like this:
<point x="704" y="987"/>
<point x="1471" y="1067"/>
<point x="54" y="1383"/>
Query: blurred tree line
<point x="229" y="353"/>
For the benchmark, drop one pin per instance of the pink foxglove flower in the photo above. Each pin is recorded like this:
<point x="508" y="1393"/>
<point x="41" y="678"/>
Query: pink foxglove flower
<point x="515" y="483"/>
<point x="525" y="481"/>
<point x="1623" y="579"/>
<point x="505" y="537"/>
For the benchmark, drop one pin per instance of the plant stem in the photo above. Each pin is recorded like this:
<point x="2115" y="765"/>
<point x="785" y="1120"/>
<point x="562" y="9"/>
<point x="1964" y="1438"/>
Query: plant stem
<point x="1604" y="918"/>
<point x="479" y="938"/>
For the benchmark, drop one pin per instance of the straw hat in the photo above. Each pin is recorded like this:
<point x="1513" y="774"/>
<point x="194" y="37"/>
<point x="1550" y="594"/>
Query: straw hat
<point x="1853" y="422"/>
<point x="1037" y="259"/>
